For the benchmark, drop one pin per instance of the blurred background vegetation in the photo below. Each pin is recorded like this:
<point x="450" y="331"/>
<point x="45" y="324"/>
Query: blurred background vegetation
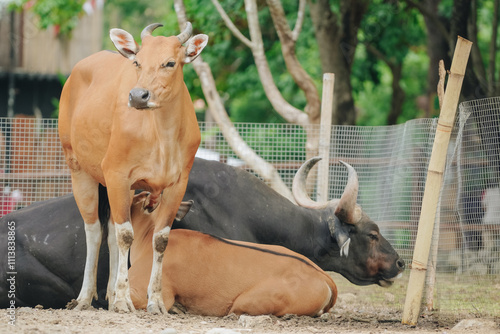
<point x="396" y="43"/>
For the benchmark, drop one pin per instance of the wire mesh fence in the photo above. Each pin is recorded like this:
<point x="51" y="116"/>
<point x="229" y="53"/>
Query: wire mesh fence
<point x="391" y="162"/>
<point x="32" y="166"/>
<point x="469" y="237"/>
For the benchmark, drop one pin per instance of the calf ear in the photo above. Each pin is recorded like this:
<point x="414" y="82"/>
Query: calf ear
<point x="194" y="46"/>
<point x="183" y="210"/>
<point x="124" y="43"/>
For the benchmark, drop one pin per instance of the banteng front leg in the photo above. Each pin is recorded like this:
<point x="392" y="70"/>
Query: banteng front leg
<point x="113" y="262"/>
<point x="155" y="299"/>
<point x="167" y="211"/>
<point x="124" y="237"/>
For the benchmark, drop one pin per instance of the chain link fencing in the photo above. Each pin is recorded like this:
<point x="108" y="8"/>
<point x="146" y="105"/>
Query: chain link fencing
<point x="391" y="162"/>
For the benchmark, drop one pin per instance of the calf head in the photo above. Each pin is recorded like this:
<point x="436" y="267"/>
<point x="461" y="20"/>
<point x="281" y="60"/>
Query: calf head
<point x="159" y="62"/>
<point x="363" y="255"/>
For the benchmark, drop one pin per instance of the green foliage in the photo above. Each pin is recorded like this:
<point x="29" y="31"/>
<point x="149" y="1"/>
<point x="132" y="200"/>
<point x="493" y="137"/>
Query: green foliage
<point x="414" y="82"/>
<point x="398" y="34"/>
<point x="62" y="14"/>
<point x="133" y="16"/>
<point x="233" y="65"/>
<point x="392" y="27"/>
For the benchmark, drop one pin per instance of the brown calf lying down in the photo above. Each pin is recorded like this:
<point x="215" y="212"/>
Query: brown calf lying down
<point x="214" y="276"/>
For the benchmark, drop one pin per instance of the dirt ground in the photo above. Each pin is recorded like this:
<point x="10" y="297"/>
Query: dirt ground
<point x="344" y="318"/>
<point x="359" y="309"/>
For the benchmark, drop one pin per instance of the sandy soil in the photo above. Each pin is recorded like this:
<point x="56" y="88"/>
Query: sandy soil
<point x="342" y="319"/>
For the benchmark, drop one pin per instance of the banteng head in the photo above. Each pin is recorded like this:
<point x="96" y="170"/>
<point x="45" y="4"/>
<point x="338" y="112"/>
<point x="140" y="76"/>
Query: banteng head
<point x="159" y="63"/>
<point x="364" y="253"/>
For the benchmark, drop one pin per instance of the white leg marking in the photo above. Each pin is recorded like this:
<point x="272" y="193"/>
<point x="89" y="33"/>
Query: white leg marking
<point x="113" y="262"/>
<point x="155" y="299"/>
<point x="121" y="300"/>
<point x="93" y="235"/>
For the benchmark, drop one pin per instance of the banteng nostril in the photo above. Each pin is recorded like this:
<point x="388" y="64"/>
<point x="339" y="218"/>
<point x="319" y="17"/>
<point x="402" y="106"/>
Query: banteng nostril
<point x="139" y="98"/>
<point x="401" y="264"/>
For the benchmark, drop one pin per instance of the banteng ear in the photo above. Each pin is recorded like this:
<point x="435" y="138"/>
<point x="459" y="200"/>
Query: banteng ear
<point x="194" y="46"/>
<point x="183" y="210"/>
<point x="124" y="43"/>
<point x="341" y="236"/>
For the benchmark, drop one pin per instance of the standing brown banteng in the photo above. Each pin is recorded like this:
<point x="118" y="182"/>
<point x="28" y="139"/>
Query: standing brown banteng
<point x="126" y="121"/>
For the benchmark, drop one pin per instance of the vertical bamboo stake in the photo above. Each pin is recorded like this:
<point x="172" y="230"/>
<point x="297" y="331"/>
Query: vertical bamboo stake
<point x="432" y="263"/>
<point x="434" y="181"/>
<point x="325" y="133"/>
<point x="430" y="282"/>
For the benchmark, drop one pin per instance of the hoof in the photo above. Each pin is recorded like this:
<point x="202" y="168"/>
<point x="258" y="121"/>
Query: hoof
<point x="76" y="305"/>
<point x="177" y="308"/>
<point x="156" y="308"/>
<point x="122" y="307"/>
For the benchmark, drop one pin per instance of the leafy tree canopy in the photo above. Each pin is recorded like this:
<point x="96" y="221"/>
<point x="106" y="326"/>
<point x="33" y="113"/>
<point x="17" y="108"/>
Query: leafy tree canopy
<point x="392" y="33"/>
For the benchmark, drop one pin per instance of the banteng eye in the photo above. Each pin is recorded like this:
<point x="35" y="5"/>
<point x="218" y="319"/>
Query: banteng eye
<point x="169" y="64"/>
<point x="373" y="236"/>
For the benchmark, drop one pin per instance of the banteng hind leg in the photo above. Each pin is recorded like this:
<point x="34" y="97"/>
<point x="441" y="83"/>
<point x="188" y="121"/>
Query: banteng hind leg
<point x="85" y="190"/>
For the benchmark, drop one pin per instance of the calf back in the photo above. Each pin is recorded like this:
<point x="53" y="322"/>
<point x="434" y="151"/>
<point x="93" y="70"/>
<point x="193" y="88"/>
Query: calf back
<point x="213" y="276"/>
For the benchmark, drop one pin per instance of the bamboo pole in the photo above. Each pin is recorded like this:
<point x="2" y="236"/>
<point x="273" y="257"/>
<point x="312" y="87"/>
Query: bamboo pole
<point x="325" y="134"/>
<point x="432" y="263"/>
<point x="430" y="282"/>
<point x="434" y="181"/>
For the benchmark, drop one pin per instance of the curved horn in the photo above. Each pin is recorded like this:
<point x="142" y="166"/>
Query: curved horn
<point x="347" y="210"/>
<point x="299" y="190"/>
<point x="149" y="29"/>
<point x="186" y="34"/>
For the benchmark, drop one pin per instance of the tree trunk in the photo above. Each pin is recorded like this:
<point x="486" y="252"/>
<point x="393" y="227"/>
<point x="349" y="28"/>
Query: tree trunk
<point x="398" y="94"/>
<point x="259" y="165"/>
<point x="288" y="38"/>
<point x="493" y="87"/>
<point x="460" y="26"/>
<point x="337" y="39"/>
<point x="437" y="49"/>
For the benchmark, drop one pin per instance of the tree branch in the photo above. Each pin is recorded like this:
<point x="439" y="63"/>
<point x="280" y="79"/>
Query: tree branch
<point x="237" y="144"/>
<point x="300" y="20"/>
<point x="236" y="32"/>
<point x="285" y="109"/>
<point x="377" y="53"/>
<point x="299" y="75"/>
<point x="431" y="15"/>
